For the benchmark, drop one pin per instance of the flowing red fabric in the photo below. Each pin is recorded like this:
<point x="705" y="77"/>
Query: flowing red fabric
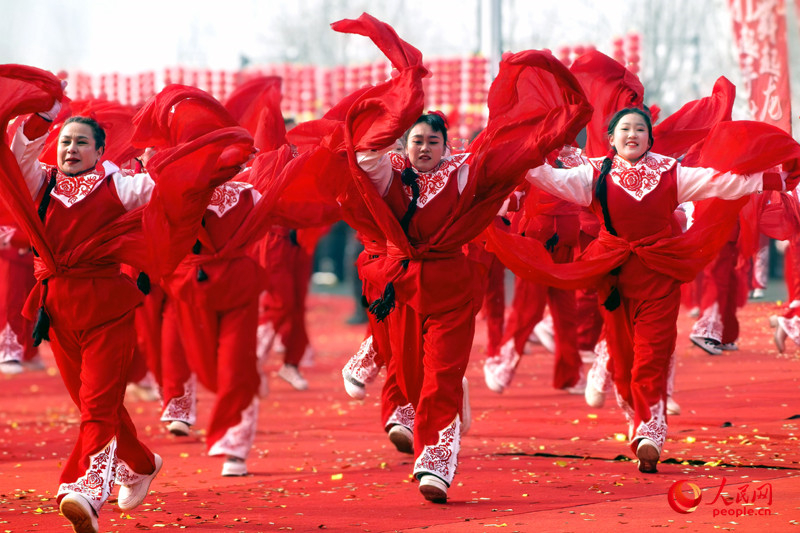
<point x="24" y="90"/>
<point x="397" y="51"/>
<point x="691" y="123"/>
<point x="116" y="119"/>
<point x="256" y="105"/>
<point x="377" y="115"/>
<point x="201" y="146"/>
<point x="740" y="147"/>
<point x="609" y="87"/>
<point x="535" y="105"/>
<point x="161" y="123"/>
<point x="780" y="218"/>
<point x="186" y="177"/>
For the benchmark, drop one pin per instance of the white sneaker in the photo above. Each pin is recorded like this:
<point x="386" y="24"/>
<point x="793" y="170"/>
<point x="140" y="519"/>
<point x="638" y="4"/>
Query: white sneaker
<point x="757" y="294"/>
<point x="648" y="454"/>
<point x="131" y="496"/>
<point x="353" y="388"/>
<point x="79" y="512"/>
<point x="291" y="375"/>
<point x="466" y="410"/>
<point x="499" y="371"/>
<point x="234" y="467"/>
<point x="728" y="347"/>
<point x="433" y="488"/>
<point x="546" y="336"/>
<point x="594" y="398"/>
<point x="673" y="409"/>
<point x="402" y="438"/>
<point x="711" y="347"/>
<point x="179" y="428"/>
<point x="11" y="367"/>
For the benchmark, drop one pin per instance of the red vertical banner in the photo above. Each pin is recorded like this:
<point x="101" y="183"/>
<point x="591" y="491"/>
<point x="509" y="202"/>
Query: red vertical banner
<point x="759" y="27"/>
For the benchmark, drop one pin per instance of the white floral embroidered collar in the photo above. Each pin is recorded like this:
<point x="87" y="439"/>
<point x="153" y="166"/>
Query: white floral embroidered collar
<point x="70" y="190"/>
<point x="433" y="182"/>
<point x="639" y="179"/>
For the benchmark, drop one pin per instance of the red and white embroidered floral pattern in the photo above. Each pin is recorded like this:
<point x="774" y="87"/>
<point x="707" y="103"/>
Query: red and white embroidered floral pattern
<point x="184" y="407"/>
<point x="238" y="440"/>
<point x="125" y="474"/>
<point x="654" y="429"/>
<point x="72" y="189"/>
<point x="441" y="459"/>
<point x="503" y="365"/>
<point x="226" y="196"/>
<point x="709" y="325"/>
<point x="97" y="482"/>
<point x="433" y="182"/>
<point x="640" y="179"/>
<point x="598" y="376"/>
<point x="361" y="367"/>
<point x="10" y="347"/>
<point x="403" y="415"/>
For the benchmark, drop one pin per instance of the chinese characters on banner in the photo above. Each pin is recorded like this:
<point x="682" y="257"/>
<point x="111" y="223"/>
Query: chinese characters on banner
<point x="759" y="27"/>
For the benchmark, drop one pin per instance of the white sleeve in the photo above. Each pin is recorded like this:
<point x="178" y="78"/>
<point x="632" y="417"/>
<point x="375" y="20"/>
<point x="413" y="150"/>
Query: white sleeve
<point x="463" y="177"/>
<point x="27" y="153"/>
<point x="378" y="167"/>
<point x="570" y="184"/>
<point x="696" y="183"/>
<point x="133" y="191"/>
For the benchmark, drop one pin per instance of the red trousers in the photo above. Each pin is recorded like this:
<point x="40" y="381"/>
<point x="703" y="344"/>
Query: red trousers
<point x="221" y="350"/>
<point x="16" y="282"/>
<point x="430" y="354"/>
<point x="175" y="369"/>
<point x="792" y="268"/>
<point x="719" y="300"/>
<point x="589" y="318"/>
<point x="284" y="302"/>
<point x="494" y="305"/>
<point x="641" y="337"/>
<point x="148" y="320"/>
<point x="94" y="365"/>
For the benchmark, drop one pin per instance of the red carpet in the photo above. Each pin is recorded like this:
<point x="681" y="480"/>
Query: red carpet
<point x="535" y="459"/>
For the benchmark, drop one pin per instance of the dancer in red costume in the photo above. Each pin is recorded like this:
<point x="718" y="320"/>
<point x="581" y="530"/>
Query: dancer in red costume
<point x="288" y="267"/>
<point x="717" y="328"/>
<point x="427" y="206"/>
<point x="555" y="224"/>
<point x="16" y="280"/>
<point x="90" y="218"/>
<point x="637" y="256"/>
